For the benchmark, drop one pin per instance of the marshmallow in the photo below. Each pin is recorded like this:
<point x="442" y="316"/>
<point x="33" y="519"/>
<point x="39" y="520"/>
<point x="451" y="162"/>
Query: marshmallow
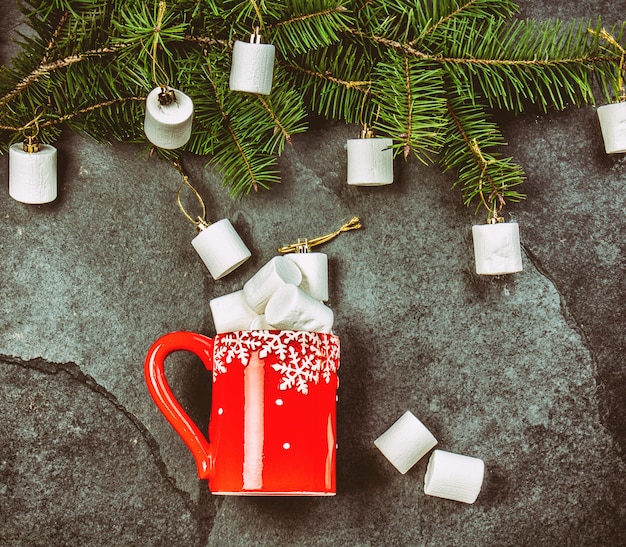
<point x="231" y="312"/>
<point x="370" y="162"/>
<point x="453" y="476"/>
<point x="252" y="66"/>
<point x="497" y="248"/>
<point x="613" y="124"/>
<point x="260" y="323"/>
<point x="262" y="285"/>
<point x="290" y="308"/>
<point x="405" y="442"/>
<point x="314" y="268"/>
<point x="33" y="175"/>
<point x="168" y="125"/>
<point x="220" y="248"/>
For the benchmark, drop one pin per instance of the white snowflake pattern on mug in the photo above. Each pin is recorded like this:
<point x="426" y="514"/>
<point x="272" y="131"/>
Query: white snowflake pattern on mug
<point x="317" y="357"/>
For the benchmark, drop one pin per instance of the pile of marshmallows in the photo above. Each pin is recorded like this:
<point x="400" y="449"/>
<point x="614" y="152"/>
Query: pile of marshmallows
<point x="288" y="293"/>
<point x="448" y="475"/>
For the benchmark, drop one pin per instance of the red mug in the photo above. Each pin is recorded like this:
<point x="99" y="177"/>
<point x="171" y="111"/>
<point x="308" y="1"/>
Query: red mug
<point x="272" y="426"/>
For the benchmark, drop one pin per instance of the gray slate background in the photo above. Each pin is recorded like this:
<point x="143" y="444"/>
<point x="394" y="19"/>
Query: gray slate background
<point x="524" y="371"/>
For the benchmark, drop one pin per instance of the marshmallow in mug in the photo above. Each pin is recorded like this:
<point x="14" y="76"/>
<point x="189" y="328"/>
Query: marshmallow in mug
<point x="271" y="277"/>
<point x="231" y="312"/>
<point x="260" y="323"/>
<point x="291" y="308"/>
<point x="314" y="268"/>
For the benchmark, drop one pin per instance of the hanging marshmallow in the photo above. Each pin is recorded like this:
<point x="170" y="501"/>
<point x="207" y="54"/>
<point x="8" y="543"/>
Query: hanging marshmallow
<point x="169" y="114"/>
<point x="276" y="273"/>
<point x="314" y="268"/>
<point x="231" y="312"/>
<point x="220" y="248"/>
<point x="252" y="66"/>
<point x="613" y="125"/>
<point x="260" y="323"/>
<point x="453" y="476"/>
<point x="497" y="248"/>
<point x="405" y="442"/>
<point x="290" y="308"/>
<point x="370" y="160"/>
<point x="33" y="172"/>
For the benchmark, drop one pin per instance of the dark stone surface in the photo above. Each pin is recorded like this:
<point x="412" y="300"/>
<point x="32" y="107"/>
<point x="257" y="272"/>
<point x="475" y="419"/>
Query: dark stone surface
<point x="523" y="371"/>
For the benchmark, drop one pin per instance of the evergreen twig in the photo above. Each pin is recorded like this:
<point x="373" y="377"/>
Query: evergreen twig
<point x="422" y="73"/>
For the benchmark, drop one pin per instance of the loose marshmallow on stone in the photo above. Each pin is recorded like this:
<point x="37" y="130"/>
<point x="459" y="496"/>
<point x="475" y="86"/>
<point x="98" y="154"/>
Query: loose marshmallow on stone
<point x="405" y="442"/>
<point x="271" y="277"/>
<point x="290" y="308"/>
<point x="260" y="323"/>
<point x="231" y="312"/>
<point x="314" y="268"/>
<point x="453" y="476"/>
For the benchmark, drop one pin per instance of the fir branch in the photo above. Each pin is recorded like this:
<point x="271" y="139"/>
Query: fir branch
<point x="279" y="126"/>
<point x="308" y="25"/>
<point x="89" y="109"/>
<point x="46" y="68"/>
<point x="469" y="134"/>
<point x="206" y="41"/>
<point x="55" y="35"/>
<point x="409" y="96"/>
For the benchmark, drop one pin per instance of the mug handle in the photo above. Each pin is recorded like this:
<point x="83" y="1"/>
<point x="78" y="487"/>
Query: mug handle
<point x="162" y="395"/>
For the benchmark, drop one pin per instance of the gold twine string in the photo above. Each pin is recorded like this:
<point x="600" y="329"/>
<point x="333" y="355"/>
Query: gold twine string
<point x="605" y="35"/>
<point x="30" y="137"/>
<point x="493" y="215"/>
<point x="155" y="47"/>
<point x="255" y="29"/>
<point x="304" y="245"/>
<point x="200" y="221"/>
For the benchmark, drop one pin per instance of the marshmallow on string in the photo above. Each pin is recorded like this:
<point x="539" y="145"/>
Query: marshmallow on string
<point x="370" y="159"/>
<point x="32" y="168"/>
<point x="497" y="247"/>
<point x="169" y="112"/>
<point x="218" y="244"/>
<point x="252" y="68"/>
<point x="314" y="266"/>
<point x="613" y="116"/>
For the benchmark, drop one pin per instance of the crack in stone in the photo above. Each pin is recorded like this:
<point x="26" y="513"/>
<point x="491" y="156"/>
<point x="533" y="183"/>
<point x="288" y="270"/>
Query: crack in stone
<point x="571" y="321"/>
<point x="74" y="371"/>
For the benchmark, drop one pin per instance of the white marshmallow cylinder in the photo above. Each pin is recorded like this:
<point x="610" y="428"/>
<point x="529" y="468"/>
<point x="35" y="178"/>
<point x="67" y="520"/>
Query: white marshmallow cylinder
<point x="168" y="125"/>
<point x="271" y="277"/>
<point x="314" y="268"/>
<point x="453" y="476"/>
<point x="33" y="175"/>
<point x="260" y="323"/>
<point x="231" y="312"/>
<point x="406" y="442"/>
<point x="370" y="162"/>
<point x="220" y="248"/>
<point x="290" y="308"/>
<point x="613" y="124"/>
<point x="252" y="67"/>
<point x="497" y="248"/>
